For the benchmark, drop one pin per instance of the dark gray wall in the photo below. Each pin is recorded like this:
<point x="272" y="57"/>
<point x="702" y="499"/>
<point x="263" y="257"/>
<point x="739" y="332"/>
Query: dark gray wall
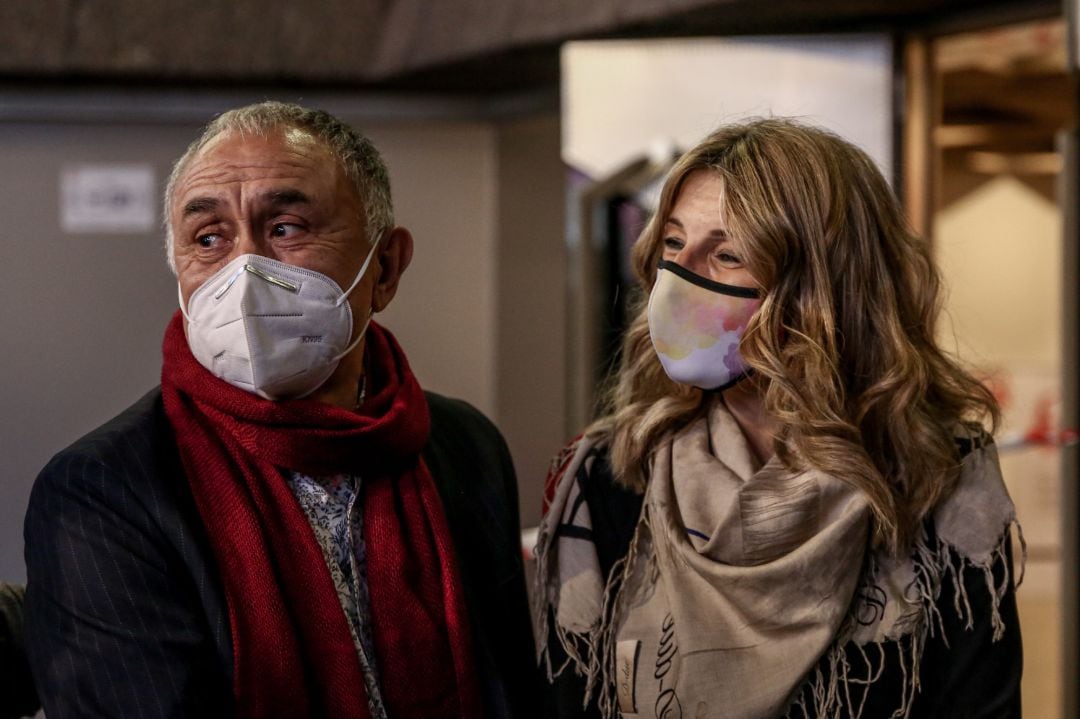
<point x="479" y="312"/>
<point x="530" y="330"/>
<point x="82" y="315"/>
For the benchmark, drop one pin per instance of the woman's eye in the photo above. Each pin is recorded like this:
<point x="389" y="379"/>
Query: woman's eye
<point x="728" y="259"/>
<point x="673" y="244"/>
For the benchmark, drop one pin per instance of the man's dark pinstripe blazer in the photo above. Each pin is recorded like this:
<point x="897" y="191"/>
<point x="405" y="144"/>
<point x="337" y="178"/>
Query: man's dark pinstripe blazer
<point x="125" y="614"/>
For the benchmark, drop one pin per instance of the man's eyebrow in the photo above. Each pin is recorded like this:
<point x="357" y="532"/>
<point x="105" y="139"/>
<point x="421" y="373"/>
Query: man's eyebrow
<point x="200" y="205"/>
<point x="288" y="196"/>
<point x="274" y="198"/>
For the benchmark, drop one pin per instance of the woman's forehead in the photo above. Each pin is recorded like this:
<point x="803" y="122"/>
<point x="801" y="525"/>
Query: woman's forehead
<point x="699" y="197"/>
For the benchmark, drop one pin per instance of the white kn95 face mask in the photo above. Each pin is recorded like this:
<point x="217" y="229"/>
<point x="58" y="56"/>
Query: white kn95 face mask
<point x="270" y="328"/>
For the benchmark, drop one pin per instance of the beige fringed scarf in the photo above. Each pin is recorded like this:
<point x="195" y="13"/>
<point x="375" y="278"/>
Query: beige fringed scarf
<point x="740" y="579"/>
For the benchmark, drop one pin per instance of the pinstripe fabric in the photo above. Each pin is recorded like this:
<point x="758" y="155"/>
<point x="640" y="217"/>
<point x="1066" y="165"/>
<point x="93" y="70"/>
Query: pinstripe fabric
<point x="124" y="612"/>
<point x="125" y="615"/>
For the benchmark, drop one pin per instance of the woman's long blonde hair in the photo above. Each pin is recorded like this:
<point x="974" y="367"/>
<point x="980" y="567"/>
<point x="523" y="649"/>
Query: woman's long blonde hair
<point x="844" y="342"/>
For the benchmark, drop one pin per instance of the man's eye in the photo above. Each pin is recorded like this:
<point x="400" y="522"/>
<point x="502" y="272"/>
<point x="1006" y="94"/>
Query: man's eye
<point x="209" y="240"/>
<point x="285" y="229"/>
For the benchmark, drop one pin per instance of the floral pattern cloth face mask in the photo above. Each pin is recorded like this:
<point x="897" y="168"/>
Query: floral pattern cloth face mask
<point x="696" y="325"/>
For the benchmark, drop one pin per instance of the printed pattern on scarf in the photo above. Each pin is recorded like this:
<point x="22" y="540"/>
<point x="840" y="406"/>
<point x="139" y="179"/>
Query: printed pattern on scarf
<point x="896" y="600"/>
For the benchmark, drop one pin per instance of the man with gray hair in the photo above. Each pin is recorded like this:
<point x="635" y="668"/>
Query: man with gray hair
<point x="288" y="526"/>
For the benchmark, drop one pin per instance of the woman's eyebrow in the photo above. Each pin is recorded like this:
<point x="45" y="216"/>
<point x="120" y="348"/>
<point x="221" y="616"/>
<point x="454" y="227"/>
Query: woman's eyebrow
<point x="717" y="233"/>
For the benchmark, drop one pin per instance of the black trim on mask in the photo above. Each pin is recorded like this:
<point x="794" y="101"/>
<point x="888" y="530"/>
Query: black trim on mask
<point x="706" y="283"/>
<point x="730" y="383"/>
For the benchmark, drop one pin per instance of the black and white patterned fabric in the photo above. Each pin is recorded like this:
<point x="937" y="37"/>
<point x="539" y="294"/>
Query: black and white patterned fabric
<point x="333" y="506"/>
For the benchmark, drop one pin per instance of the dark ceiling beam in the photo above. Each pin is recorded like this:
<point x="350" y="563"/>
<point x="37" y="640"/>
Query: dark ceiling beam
<point x="463" y="46"/>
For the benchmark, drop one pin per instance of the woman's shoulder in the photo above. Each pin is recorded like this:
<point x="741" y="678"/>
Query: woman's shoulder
<point x="974" y="519"/>
<point x="583" y="491"/>
<point x="584" y="468"/>
<point x="575" y="463"/>
<point x="935" y="629"/>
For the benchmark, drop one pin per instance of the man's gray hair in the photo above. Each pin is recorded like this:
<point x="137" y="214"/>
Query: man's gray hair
<point x="362" y="163"/>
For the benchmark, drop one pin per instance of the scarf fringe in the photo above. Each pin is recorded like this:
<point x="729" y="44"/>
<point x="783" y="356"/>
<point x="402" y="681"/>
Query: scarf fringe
<point x="580" y="649"/>
<point x="828" y="691"/>
<point x="955" y="564"/>
<point x="615" y="599"/>
<point x="591" y="654"/>
<point x="835" y="689"/>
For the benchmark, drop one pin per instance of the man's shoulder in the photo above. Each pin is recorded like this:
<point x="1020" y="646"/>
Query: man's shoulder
<point x="130" y="432"/>
<point x="133" y="442"/>
<point x="449" y="414"/>
<point x="468" y="459"/>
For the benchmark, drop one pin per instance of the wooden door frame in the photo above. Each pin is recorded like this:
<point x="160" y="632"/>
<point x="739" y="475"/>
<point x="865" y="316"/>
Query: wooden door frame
<point x="918" y="179"/>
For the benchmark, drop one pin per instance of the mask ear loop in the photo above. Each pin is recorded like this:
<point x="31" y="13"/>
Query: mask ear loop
<point x="180" y="301"/>
<point x="360" y="274"/>
<point x="359" y="336"/>
<point x="346" y="293"/>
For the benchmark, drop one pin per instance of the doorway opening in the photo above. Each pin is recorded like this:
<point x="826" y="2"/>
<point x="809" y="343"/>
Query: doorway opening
<point x="987" y="112"/>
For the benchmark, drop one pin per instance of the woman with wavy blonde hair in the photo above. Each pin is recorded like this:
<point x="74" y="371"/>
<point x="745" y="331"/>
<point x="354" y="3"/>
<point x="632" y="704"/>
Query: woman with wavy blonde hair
<point x="792" y="505"/>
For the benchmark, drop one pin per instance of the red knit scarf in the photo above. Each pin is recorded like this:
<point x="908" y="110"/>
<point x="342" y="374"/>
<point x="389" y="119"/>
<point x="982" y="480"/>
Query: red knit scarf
<point x="293" y="654"/>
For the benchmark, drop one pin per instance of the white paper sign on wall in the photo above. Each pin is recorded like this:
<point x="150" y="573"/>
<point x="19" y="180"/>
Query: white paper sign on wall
<point x="107" y="198"/>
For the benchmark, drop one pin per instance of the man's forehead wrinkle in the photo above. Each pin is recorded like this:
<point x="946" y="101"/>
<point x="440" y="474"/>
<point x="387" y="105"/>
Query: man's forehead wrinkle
<point x="261" y="165"/>
<point x="258" y="167"/>
<point x="299" y="150"/>
<point x="214" y="174"/>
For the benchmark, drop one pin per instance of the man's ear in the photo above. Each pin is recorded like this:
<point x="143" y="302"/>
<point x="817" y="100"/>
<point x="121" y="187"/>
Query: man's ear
<point x="394" y="256"/>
